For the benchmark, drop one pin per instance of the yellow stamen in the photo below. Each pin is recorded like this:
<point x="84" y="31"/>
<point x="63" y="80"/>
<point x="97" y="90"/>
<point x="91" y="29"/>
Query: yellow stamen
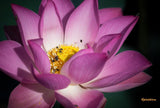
<point x="59" y="55"/>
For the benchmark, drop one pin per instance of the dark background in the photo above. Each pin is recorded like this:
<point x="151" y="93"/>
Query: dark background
<point x="145" y="38"/>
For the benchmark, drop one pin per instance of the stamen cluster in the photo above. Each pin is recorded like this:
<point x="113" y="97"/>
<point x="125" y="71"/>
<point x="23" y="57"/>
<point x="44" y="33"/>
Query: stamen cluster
<point x="59" y="55"/>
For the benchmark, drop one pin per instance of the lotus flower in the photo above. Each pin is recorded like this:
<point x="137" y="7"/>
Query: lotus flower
<point x="70" y="55"/>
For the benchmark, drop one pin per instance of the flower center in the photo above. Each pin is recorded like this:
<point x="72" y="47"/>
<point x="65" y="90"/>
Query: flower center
<point x="59" y="55"/>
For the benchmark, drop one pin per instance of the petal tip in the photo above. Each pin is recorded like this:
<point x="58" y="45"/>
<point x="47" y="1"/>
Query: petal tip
<point x="15" y="7"/>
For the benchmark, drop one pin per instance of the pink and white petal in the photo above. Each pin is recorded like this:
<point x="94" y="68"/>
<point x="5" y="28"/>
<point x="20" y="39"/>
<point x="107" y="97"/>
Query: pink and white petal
<point x="64" y="7"/>
<point x="128" y="22"/>
<point x="38" y="41"/>
<point x="83" y="24"/>
<point x="111" y="79"/>
<point x="86" y="67"/>
<point x="31" y="96"/>
<point x="75" y="96"/>
<point x="124" y="30"/>
<point x="107" y="14"/>
<point x="113" y="46"/>
<point x="15" y="62"/>
<point x="119" y="68"/>
<point x="40" y="57"/>
<point x="133" y="82"/>
<point x="116" y="25"/>
<point x="28" y="24"/>
<point x="51" y="29"/>
<point x="107" y="42"/>
<point x="124" y="35"/>
<point x="42" y="6"/>
<point x="65" y="67"/>
<point x="12" y="33"/>
<point x="51" y="81"/>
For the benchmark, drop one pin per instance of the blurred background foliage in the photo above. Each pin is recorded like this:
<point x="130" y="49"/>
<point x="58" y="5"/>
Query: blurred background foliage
<point x="145" y="38"/>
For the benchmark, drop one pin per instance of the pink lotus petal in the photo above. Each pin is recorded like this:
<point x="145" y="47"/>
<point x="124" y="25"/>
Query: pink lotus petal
<point x="113" y="46"/>
<point x="15" y="62"/>
<point x="75" y="96"/>
<point x="51" y="81"/>
<point x="38" y="41"/>
<point x="106" y="43"/>
<point x="116" y="25"/>
<point x="31" y="96"/>
<point x="86" y="67"/>
<point x="107" y="14"/>
<point x="40" y="57"/>
<point x="111" y="79"/>
<point x="121" y="25"/>
<point x="131" y="60"/>
<point x="133" y="82"/>
<point x="64" y="7"/>
<point x="83" y="24"/>
<point x="51" y="29"/>
<point x="65" y="68"/>
<point x="12" y="33"/>
<point x="119" y="68"/>
<point x="28" y="24"/>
